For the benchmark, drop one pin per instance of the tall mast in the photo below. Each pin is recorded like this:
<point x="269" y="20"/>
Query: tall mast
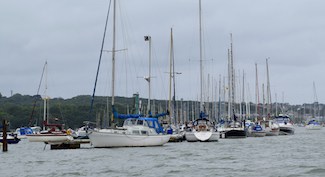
<point x="232" y="76"/>
<point x="316" y="107"/>
<point x="201" y="62"/>
<point x="231" y="80"/>
<point x="148" y="38"/>
<point x="45" y="114"/>
<point x="113" y="59"/>
<point x="244" y="113"/>
<point x="174" y="75"/>
<point x="170" y="70"/>
<point x="229" y="85"/>
<point x="268" y="90"/>
<point x="219" y="107"/>
<point x="256" y="91"/>
<point x="263" y="97"/>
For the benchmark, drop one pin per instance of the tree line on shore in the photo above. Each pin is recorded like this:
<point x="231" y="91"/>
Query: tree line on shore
<point x="25" y="110"/>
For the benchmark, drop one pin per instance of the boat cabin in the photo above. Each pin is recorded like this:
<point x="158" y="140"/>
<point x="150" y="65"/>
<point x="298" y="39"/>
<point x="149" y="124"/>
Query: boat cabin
<point x="313" y="122"/>
<point x="283" y="119"/>
<point x="202" y="124"/>
<point x="144" y="121"/>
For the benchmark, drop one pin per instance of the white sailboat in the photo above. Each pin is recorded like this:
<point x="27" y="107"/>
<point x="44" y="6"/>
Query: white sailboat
<point x="52" y="133"/>
<point x="201" y="130"/>
<point x="313" y="124"/>
<point x="254" y="130"/>
<point x="234" y="128"/>
<point x="272" y="128"/>
<point x="135" y="132"/>
<point x="22" y="132"/>
<point x="176" y="134"/>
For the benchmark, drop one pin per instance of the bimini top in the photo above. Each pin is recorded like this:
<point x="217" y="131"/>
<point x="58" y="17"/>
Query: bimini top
<point x="24" y="131"/>
<point x="145" y="121"/>
<point x="201" y="121"/>
<point x="313" y="122"/>
<point x="282" y="118"/>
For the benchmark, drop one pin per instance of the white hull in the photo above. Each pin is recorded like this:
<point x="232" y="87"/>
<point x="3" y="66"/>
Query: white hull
<point x="21" y="136"/>
<point x="233" y="133"/>
<point x="271" y="128"/>
<point x="286" y="130"/>
<point x="257" y="134"/>
<point x="49" y="138"/>
<point x="286" y="127"/>
<point x="107" y="139"/>
<point x="202" y="136"/>
<point x="313" y="127"/>
<point x="272" y="132"/>
<point x="177" y="137"/>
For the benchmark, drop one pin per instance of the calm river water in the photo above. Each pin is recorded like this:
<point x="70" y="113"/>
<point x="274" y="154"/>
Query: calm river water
<point x="302" y="154"/>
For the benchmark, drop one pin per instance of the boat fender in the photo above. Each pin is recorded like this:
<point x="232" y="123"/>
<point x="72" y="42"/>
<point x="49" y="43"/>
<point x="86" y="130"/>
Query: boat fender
<point x="69" y="132"/>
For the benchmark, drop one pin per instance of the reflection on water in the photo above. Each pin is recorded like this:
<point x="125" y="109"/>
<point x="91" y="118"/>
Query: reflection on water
<point x="302" y="154"/>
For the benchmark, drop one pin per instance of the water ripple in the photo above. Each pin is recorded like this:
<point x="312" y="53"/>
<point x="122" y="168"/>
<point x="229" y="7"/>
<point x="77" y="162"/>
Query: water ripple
<point x="299" y="155"/>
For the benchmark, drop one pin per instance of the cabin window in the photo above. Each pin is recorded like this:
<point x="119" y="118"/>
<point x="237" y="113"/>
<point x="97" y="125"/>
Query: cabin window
<point x="129" y="122"/>
<point x="156" y="125"/>
<point x="143" y="132"/>
<point x="140" y="122"/>
<point x="150" y="123"/>
<point x="145" y="123"/>
<point x="132" y="121"/>
<point x="136" y="132"/>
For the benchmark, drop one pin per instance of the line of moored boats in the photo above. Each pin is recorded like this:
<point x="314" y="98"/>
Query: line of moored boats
<point x="147" y="131"/>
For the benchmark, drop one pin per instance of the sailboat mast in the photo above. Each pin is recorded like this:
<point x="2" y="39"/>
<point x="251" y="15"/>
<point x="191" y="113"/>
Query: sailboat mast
<point x="148" y="38"/>
<point x="170" y="70"/>
<point x="174" y="76"/>
<point x="45" y="118"/>
<point x="244" y="113"/>
<point x="263" y="97"/>
<point x="316" y="107"/>
<point x="269" y="102"/>
<point x="232" y="76"/>
<point x="229" y="85"/>
<point x="201" y="62"/>
<point x="113" y="58"/>
<point x="256" y="91"/>
<point x="149" y="106"/>
<point x="219" y="107"/>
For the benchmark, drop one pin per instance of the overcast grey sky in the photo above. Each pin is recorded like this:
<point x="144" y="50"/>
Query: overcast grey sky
<point x="68" y="34"/>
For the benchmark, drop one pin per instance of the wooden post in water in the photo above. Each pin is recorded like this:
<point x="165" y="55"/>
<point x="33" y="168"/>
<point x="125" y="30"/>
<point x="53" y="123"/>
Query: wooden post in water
<point x="4" y="136"/>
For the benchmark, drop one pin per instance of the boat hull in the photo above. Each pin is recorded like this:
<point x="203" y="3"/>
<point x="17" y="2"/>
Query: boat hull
<point x="49" y="138"/>
<point x="178" y="137"/>
<point x="286" y="127"/>
<point x="10" y="140"/>
<point x="313" y="127"/>
<point x="107" y="139"/>
<point x="272" y="132"/>
<point x="202" y="136"/>
<point x="286" y="130"/>
<point x="257" y="134"/>
<point x="235" y="133"/>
